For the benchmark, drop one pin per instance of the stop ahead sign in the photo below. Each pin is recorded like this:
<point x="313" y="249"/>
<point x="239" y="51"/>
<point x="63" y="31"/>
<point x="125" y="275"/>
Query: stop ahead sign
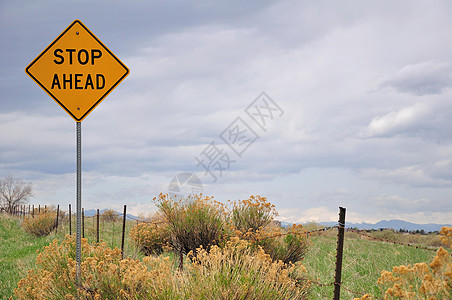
<point x="77" y="70"/>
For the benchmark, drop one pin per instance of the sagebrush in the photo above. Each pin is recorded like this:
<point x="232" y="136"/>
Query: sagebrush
<point x="40" y="224"/>
<point x="235" y="271"/>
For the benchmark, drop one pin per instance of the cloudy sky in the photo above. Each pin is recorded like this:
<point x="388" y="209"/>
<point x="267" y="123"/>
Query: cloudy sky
<point x="313" y="104"/>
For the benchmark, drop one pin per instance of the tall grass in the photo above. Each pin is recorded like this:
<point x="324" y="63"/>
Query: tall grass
<point x="17" y="253"/>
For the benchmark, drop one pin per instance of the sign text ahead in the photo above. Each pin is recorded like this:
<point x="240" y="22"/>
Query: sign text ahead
<point x="77" y="70"/>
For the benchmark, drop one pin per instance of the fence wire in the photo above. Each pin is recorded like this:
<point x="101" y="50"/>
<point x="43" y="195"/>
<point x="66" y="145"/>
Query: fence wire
<point x="362" y="233"/>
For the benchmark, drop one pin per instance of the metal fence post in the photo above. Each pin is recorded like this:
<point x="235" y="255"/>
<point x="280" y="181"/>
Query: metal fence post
<point x="58" y="215"/>
<point x="123" y="231"/>
<point x="340" y="248"/>
<point x="83" y="223"/>
<point x="97" y="235"/>
<point x="70" y="221"/>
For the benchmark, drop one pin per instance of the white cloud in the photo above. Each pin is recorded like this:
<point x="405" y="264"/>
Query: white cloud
<point x="397" y="121"/>
<point x="315" y="214"/>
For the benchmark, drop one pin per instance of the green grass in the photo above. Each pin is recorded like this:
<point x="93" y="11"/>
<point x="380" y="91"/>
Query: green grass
<point x="17" y="253"/>
<point x="362" y="264"/>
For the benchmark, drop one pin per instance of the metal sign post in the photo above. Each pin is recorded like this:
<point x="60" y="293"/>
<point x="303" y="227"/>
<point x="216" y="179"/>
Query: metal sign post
<point x="78" y="237"/>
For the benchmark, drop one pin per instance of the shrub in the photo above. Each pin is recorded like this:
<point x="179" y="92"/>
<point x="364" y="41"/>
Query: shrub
<point x="103" y="274"/>
<point x="252" y="214"/>
<point x="109" y="215"/>
<point x="234" y="272"/>
<point x="40" y="224"/>
<point x="289" y="245"/>
<point x="192" y="222"/>
<point x="149" y="238"/>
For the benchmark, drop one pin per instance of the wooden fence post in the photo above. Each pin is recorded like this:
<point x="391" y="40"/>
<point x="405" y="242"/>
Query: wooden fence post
<point x="339" y="254"/>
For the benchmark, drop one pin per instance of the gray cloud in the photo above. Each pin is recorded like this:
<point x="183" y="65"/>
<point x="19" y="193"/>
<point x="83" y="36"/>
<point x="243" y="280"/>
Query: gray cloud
<point x="364" y="89"/>
<point x="423" y="78"/>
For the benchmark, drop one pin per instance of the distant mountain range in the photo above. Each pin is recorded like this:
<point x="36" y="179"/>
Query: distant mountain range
<point x="394" y="224"/>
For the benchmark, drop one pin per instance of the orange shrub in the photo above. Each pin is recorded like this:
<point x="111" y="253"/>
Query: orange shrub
<point x="40" y="224"/>
<point x="233" y="272"/>
<point x="192" y="222"/>
<point x="288" y="245"/>
<point x="150" y="238"/>
<point x="252" y="214"/>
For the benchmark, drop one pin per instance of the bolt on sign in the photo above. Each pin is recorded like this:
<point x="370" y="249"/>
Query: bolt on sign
<point x="77" y="70"/>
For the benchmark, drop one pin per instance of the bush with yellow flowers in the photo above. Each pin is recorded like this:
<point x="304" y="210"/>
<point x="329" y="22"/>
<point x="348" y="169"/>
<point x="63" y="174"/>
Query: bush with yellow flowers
<point x="238" y="271"/>
<point x="103" y="274"/>
<point x="235" y="271"/>
<point x="252" y="214"/>
<point x="421" y="280"/>
<point x="288" y="245"/>
<point x="192" y="222"/>
<point x="252" y="220"/>
<point x="150" y="238"/>
<point x="40" y="224"/>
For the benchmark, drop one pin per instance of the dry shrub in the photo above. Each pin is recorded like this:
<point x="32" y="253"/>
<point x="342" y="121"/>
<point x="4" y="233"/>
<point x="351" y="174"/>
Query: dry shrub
<point x="422" y="280"/>
<point x="237" y="271"/>
<point x="252" y="214"/>
<point x="288" y="245"/>
<point x="446" y="236"/>
<point x="103" y="274"/>
<point x="233" y="272"/>
<point x="40" y="224"/>
<point x="252" y="220"/>
<point x="192" y="222"/>
<point x="109" y="215"/>
<point x="150" y="238"/>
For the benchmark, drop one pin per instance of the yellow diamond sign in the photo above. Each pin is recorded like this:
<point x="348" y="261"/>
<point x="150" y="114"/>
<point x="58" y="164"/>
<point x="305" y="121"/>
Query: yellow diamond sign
<point x="77" y="70"/>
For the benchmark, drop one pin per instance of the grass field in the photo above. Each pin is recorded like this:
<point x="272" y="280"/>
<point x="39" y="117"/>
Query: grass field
<point x="362" y="263"/>
<point x="363" y="259"/>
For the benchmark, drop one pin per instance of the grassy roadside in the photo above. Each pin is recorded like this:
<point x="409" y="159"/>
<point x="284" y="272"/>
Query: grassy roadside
<point x="362" y="264"/>
<point x="17" y="253"/>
